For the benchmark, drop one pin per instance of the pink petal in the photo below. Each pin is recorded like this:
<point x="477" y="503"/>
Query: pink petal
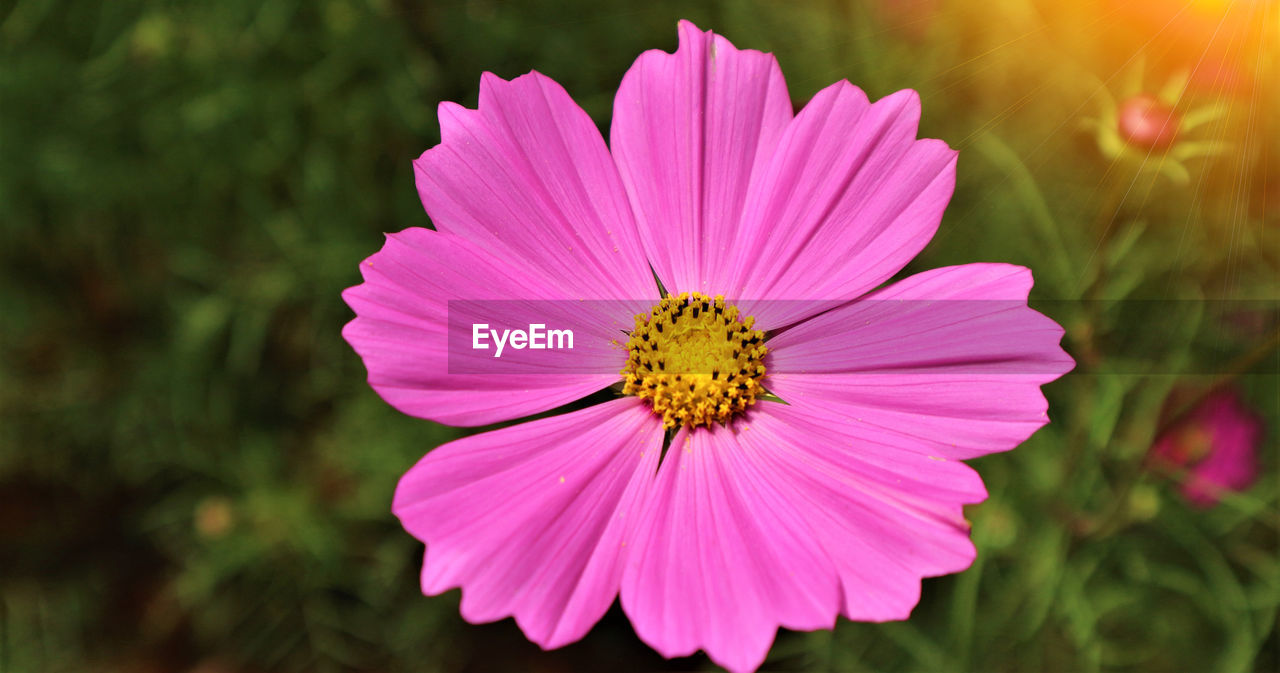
<point x="849" y="197"/>
<point x="946" y="363"/>
<point x="531" y="520"/>
<point x="527" y="176"/>
<point x="724" y="556"/>
<point x="690" y="130"/>
<point x="885" y="517"/>
<point x="402" y="322"/>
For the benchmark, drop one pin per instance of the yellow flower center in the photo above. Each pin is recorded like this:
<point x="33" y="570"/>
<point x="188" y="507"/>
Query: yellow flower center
<point x="694" y="360"/>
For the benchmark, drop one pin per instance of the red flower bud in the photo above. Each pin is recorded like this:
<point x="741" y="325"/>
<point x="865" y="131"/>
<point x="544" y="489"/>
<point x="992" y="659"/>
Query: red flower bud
<point x="1147" y="123"/>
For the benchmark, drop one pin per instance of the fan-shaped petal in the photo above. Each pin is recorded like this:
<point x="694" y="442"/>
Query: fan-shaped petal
<point x="527" y="176"/>
<point x="884" y="517"/>
<point x="402" y="331"/>
<point x="724" y="556"/>
<point x="690" y="130"/>
<point x="849" y="197"/>
<point x="947" y="363"/>
<point x="531" y="520"/>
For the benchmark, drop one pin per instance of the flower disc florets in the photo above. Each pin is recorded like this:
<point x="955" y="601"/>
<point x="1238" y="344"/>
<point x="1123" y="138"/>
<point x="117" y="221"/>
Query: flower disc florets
<point x="695" y="360"/>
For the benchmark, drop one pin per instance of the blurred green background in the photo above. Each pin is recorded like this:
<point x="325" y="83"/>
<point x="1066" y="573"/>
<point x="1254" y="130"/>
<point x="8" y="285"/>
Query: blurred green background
<point x="195" y="477"/>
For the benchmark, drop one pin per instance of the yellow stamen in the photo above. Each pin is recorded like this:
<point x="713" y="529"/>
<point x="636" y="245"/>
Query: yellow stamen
<point x="694" y="360"/>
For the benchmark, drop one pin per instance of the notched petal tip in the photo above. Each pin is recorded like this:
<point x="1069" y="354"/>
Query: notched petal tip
<point x="1016" y="280"/>
<point x="1024" y="279"/>
<point x="452" y="119"/>
<point x="904" y="101"/>
<point x="493" y="86"/>
<point x="689" y="34"/>
<point x="906" y="105"/>
<point x="685" y="24"/>
<point x="349" y="329"/>
<point x="841" y="88"/>
<point x="350" y="295"/>
<point x="714" y="44"/>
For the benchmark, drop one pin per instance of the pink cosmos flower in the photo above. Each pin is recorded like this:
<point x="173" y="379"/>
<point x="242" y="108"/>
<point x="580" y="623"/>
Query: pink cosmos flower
<point x="1216" y="445"/>
<point x="750" y="514"/>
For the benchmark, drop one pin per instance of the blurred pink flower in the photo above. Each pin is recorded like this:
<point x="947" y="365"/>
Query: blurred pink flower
<point x="1214" y="448"/>
<point x="1147" y="123"/>
<point x="748" y="517"/>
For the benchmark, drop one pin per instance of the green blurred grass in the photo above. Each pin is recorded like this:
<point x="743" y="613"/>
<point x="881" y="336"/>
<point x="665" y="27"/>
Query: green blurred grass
<point x="193" y="472"/>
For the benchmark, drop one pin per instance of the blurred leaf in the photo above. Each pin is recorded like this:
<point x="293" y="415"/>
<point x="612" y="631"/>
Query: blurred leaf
<point x="1025" y="187"/>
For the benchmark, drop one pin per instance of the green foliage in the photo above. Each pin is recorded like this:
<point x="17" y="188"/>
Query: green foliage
<point x="193" y="471"/>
